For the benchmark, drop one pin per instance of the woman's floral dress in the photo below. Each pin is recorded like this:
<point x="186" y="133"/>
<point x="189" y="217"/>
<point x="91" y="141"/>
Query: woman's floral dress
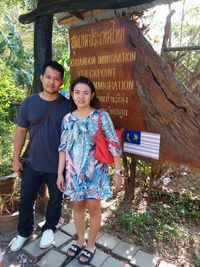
<point x="85" y="176"/>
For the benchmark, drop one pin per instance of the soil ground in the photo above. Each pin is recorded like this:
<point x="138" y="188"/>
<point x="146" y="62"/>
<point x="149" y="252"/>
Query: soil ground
<point x="181" y="251"/>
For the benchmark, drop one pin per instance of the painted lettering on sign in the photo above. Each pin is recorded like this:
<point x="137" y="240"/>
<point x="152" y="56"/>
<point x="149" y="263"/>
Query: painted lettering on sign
<point x="103" y="53"/>
<point x="94" y="38"/>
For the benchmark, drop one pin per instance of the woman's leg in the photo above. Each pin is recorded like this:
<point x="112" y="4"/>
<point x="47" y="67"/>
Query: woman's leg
<point x="93" y="206"/>
<point x="79" y="221"/>
<point x="95" y="220"/>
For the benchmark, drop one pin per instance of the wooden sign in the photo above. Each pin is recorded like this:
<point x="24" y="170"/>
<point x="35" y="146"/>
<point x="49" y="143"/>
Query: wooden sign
<point x="101" y="52"/>
<point x="137" y="87"/>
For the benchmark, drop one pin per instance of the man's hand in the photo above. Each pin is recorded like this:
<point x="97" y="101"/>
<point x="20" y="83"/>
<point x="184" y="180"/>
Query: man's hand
<point x="17" y="166"/>
<point x="60" y="183"/>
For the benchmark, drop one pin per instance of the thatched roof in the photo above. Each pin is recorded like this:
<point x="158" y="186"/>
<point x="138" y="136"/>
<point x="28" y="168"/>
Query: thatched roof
<point x="77" y="7"/>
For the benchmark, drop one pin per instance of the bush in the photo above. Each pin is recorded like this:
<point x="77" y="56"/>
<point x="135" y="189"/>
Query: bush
<point x="8" y="93"/>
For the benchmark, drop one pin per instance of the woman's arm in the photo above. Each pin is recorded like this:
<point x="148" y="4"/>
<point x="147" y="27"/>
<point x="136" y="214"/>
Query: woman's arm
<point x="117" y="178"/>
<point x="61" y="167"/>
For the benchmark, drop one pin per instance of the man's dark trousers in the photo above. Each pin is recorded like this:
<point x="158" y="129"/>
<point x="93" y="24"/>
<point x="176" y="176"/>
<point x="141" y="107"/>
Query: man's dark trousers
<point x="30" y="185"/>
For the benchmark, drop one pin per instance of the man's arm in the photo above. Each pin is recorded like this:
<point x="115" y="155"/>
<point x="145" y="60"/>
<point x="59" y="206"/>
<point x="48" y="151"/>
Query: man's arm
<point x="19" y="140"/>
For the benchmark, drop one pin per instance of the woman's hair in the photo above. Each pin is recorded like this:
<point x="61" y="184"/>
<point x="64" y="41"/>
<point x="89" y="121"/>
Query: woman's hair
<point x="95" y="103"/>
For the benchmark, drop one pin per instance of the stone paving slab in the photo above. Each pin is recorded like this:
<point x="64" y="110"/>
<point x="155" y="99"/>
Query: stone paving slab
<point x="125" y="251"/>
<point x="65" y="248"/>
<point x="112" y="262"/>
<point x="69" y="229"/>
<point x="60" y="238"/>
<point x="108" y="242"/>
<point x="52" y="259"/>
<point x="99" y="258"/>
<point x="75" y="263"/>
<point x="166" y="264"/>
<point x="97" y="261"/>
<point x="34" y="251"/>
<point x="144" y="259"/>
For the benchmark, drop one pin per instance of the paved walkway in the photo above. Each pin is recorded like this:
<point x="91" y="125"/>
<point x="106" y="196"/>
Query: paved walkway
<point x="110" y="252"/>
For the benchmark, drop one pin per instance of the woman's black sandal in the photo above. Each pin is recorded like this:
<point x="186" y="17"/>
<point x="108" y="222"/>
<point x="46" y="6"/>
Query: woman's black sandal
<point x="88" y="255"/>
<point x="75" y="249"/>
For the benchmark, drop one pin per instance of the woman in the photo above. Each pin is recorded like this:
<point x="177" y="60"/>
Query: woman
<point x="87" y="179"/>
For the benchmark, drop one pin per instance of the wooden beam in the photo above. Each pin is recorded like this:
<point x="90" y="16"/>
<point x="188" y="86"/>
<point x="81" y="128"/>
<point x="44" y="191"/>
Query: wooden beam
<point x="77" y="15"/>
<point x="79" y="5"/>
<point x="182" y="48"/>
<point x="85" y="15"/>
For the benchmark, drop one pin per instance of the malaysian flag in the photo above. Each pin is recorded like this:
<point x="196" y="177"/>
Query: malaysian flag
<point x="142" y="143"/>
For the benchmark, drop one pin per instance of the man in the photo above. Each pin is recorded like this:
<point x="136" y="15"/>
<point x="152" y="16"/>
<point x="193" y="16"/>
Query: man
<point x="41" y="161"/>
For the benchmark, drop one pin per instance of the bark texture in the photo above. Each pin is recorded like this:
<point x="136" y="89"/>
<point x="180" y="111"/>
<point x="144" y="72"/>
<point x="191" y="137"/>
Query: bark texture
<point x="167" y="106"/>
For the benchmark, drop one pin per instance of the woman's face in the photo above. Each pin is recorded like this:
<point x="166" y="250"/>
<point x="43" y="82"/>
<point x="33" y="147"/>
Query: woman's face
<point x="82" y="95"/>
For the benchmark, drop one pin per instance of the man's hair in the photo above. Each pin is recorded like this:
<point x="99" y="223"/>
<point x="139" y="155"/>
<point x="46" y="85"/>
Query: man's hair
<point x="54" y="65"/>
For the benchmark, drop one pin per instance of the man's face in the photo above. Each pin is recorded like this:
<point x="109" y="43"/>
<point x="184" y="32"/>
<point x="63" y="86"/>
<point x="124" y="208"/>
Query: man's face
<point x="51" y="81"/>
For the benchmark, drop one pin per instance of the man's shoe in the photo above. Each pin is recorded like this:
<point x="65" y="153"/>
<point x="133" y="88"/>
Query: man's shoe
<point x="18" y="243"/>
<point x="46" y="239"/>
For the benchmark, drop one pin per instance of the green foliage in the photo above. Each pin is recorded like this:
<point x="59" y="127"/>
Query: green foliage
<point x="191" y="33"/>
<point x="65" y="61"/>
<point x="161" y="220"/>
<point x="16" y="56"/>
<point x="8" y="93"/>
<point x="6" y="140"/>
<point x="197" y="262"/>
<point x="59" y="41"/>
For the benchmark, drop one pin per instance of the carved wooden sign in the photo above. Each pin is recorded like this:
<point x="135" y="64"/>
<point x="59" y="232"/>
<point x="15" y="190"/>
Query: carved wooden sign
<point x="101" y="52"/>
<point x="137" y="87"/>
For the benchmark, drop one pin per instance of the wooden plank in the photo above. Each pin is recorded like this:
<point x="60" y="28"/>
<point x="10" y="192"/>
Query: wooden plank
<point x="85" y="14"/>
<point x="182" y="48"/>
<point x="78" y="6"/>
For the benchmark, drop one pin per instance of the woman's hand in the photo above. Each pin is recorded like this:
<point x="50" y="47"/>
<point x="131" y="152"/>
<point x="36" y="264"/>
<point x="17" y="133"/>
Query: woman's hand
<point x="60" y="182"/>
<point x="116" y="183"/>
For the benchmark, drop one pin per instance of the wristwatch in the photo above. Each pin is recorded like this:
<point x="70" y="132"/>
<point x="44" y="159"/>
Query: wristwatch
<point x="120" y="172"/>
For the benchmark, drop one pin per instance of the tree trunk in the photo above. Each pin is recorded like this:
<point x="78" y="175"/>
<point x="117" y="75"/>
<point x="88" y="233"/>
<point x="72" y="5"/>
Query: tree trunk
<point x="42" y="47"/>
<point x="167" y="31"/>
<point x="130" y="179"/>
<point x="166" y="106"/>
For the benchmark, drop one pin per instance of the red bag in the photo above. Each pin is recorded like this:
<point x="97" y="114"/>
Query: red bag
<point x="102" y="152"/>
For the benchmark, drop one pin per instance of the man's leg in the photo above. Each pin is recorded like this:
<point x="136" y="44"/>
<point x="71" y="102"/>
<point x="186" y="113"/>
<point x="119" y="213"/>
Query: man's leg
<point x="30" y="184"/>
<point x="53" y="211"/>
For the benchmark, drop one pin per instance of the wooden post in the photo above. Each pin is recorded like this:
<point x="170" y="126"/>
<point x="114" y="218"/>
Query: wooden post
<point x="42" y="47"/>
<point x="129" y="182"/>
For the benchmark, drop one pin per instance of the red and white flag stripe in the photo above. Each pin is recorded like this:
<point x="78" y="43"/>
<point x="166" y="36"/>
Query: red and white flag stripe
<point x="149" y="146"/>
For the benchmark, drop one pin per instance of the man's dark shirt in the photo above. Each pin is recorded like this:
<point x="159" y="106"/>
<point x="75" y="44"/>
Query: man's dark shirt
<point x="43" y="152"/>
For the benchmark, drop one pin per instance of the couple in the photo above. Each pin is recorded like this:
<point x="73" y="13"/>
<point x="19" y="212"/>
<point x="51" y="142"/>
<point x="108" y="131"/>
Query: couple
<point x="87" y="179"/>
